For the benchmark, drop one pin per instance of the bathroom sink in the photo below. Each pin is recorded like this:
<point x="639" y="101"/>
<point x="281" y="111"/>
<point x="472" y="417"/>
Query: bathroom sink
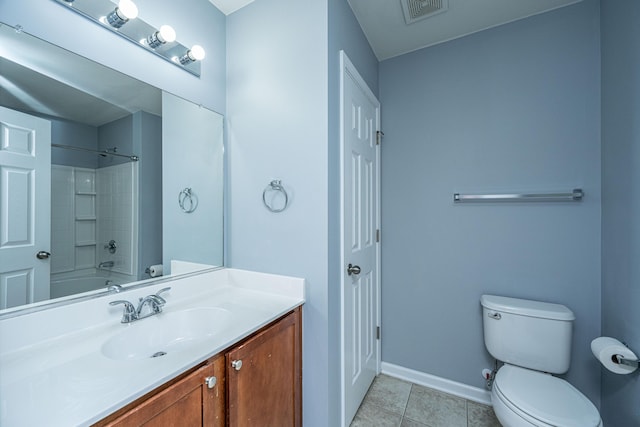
<point x="166" y="333"/>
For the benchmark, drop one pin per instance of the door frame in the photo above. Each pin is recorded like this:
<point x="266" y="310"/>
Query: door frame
<point x="348" y="69"/>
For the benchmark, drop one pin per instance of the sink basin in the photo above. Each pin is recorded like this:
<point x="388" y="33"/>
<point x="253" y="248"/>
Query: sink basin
<point x="166" y="333"/>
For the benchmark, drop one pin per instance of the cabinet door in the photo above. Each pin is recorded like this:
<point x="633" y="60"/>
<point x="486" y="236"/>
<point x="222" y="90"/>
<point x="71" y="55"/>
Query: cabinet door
<point x="186" y="403"/>
<point x="266" y="390"/>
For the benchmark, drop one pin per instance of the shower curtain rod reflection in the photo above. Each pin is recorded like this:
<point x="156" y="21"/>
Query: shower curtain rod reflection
<point x="101" y="153"/>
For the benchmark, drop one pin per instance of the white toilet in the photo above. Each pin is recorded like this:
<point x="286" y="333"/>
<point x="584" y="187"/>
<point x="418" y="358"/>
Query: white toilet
<point x="533" y="339"/>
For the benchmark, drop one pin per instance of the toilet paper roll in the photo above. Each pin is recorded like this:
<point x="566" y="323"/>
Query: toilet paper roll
<point x="605" y="350"/>
<point x="155" y="270"/>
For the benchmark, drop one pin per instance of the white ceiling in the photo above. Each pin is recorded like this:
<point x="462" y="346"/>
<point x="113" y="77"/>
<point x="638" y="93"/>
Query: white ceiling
<point x="229" y="6"/>
<point x="389" y="35"/>
<point x="384" y="25"/>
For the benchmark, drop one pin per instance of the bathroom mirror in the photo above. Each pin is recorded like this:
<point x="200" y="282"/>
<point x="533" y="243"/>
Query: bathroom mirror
<point x="87" y="213"/>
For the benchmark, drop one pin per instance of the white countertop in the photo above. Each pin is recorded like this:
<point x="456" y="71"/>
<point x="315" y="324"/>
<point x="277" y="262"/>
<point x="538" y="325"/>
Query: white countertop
<point x="53" y="372"/>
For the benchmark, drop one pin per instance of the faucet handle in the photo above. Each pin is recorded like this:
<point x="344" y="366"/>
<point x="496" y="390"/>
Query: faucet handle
<point x="129" y="313"/>
<point x="162" y="291"/>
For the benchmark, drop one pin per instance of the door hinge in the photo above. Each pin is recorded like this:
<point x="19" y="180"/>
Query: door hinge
<point x="379" y="135"/>
<point x="378" y="235"/>
<point x="377" y="332"/>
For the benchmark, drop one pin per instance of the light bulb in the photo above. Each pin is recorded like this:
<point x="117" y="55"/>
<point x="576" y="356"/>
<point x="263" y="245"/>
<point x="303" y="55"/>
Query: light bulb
<point x="197" y="52"/>
<point x="128" y="9"/>
<point x="165" y="35"/>
<point x="125" y="11"/>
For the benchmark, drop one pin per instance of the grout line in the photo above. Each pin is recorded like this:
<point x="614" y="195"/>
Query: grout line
<point x="466" y="410"/>
<point x="405" y="406"/>
<point x="407" y="403"/>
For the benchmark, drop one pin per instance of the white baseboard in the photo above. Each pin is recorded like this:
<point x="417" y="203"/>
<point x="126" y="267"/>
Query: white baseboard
<point x="442" y="384"/>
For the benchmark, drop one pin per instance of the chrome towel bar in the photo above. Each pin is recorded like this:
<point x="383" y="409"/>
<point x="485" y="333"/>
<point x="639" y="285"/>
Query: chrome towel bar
<point x="575" y="196"/>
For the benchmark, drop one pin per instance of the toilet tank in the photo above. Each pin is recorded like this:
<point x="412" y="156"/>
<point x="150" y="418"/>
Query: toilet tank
<point x="531" y="334"/>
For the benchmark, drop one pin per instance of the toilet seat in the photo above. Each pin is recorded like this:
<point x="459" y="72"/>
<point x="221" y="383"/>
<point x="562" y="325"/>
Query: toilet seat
<point x="542" y="400"/>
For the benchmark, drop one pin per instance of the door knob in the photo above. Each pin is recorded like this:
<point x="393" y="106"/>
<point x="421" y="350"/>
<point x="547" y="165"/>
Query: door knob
<point x="236" y="364"/>
<point x="43" y="255"/>
<point x="353" y="269"/>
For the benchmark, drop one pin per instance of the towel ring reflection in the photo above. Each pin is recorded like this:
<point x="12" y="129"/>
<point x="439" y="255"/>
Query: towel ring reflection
<point x="275" y="185"/>
<point x="187" y="200"/>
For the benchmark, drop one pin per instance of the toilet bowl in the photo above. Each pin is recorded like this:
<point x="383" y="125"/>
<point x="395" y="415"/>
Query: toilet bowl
<point x="525" y="398"/>
<point x="533" y="339"/>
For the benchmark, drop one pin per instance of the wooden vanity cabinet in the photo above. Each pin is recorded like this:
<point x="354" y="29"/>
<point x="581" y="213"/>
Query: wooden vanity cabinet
<point x="185" y="402"/>
<point x="264" y="375"/>
<point x="265" y="391"/>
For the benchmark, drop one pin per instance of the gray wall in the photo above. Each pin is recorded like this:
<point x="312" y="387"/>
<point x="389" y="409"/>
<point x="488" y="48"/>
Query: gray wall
<point x="193" y="160"/>
<point x="514" y="108"/>
<point x="147" y="143"/>
<point x="116" y="134"/>
<point x="345" y="34"/>
<point x="621" y="201"/>
<point x="73" y="134"/>
<point x="276" y="121"/>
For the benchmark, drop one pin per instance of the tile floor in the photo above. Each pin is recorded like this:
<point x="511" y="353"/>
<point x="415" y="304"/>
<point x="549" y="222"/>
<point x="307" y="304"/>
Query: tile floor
<point x="391" y="402"/>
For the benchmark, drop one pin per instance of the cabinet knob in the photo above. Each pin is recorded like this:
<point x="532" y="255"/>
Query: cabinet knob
<point x="236" y="364"/>
<point x="211" y="381"/>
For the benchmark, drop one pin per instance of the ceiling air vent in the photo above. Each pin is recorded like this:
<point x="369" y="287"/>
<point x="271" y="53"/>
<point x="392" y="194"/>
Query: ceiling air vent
<point x="416" y="10"/>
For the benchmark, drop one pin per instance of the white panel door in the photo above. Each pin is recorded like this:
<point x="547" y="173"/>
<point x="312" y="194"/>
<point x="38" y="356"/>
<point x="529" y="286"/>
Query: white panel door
<point x="25" y="200"/>
<point x="360" y="112"/>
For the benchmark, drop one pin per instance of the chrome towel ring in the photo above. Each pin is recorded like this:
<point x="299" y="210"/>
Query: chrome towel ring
<point x="187" y="200"/>
<point x="275" y="185"/>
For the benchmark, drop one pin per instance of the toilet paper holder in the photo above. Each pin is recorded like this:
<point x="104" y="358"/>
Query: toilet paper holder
<point x="621" y="360"/>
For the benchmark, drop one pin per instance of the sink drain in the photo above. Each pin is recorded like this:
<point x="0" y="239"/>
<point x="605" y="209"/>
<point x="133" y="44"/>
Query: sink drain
<point x="159" y="353"/>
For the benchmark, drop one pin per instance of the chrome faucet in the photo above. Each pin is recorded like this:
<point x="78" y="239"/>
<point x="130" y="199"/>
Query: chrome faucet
<point x="107" y="264"/>
<point x="112" y="287"/>
<point x="129" y="314"/>
<point x="153" y="304"/>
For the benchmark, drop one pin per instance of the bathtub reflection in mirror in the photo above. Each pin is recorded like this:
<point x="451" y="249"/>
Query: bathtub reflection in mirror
<point x="102" y="170"/>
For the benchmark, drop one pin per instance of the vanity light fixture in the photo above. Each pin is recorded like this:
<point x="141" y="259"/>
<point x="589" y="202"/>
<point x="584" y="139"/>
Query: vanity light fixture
<point x="125" y="11"/>
<point x="196" y="53"/>
<point x="121" y="17"/>
<point x="166" y="34"/>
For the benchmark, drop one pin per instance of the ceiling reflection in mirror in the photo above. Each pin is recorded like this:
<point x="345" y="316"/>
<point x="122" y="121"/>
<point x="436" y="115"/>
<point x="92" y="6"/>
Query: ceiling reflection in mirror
<point x="89" y="172"/>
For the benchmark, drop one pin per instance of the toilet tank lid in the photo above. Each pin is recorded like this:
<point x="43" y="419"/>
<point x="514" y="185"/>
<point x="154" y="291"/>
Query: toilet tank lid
<point x="523" y="307"/>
